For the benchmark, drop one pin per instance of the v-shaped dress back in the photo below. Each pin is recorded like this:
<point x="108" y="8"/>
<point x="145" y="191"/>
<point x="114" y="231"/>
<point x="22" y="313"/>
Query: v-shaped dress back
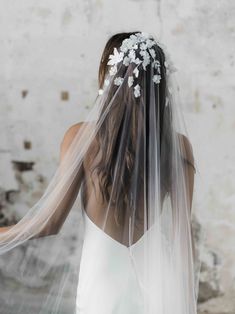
<point x="108" y="281"/>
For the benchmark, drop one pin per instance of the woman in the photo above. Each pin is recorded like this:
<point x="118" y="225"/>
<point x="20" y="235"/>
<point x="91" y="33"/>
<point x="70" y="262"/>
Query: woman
<point x="132" y="164"/>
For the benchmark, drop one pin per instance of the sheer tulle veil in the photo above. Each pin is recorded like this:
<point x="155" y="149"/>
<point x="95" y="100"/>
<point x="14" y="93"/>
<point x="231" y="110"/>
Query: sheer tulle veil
<point x="130" y="167"/>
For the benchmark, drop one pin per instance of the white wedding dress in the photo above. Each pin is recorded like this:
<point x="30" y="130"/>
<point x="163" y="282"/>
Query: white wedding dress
<point x="108" y="281"/>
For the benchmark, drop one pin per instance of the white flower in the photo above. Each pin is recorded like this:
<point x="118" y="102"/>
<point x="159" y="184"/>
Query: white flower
<point x="146" y="58"/>
<point x="152" y="52"/>
<point x="133" y="37"/>
<point x="133" y="40"/>
<point x="143" y="46"/>
<point x="135" y="46"/>
<point x="136" y="72"/>
<point x="144" y="35"/>
<point x="144" y="53"/>
<point x="129" y="43"/>
<point x="115" y="57"/>
<point x="124" y="47"/>
<point x="101" y="91"/>
<point x="156" y="79"/>
<point x="137" y="61"/>
<point x="113" y="70"/>
<point x="131" y="55"/>
<point x="118" y="80"/>
<point x="130" y="81"/>
<point x="137" y="90"/>
<point x="126" y="61"/>
<point x="146" y="61"/>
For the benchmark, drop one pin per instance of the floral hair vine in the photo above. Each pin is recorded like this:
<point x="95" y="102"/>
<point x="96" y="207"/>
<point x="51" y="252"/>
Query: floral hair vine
<point x="127" y="55"/>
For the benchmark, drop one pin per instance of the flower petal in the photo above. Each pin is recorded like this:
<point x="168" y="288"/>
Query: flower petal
<point x="136" y="72"/>
<point x="137" y="90"/>
<point x="156" y="79"/>
<point x="118" y="81"/>
<point x="130" y="81"/>
<point x="126" y="61"/>
<point x="113" y="70"/>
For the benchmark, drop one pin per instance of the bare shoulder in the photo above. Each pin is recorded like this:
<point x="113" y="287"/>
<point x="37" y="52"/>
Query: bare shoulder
<point x="68" y="137"/>
<point x="71" y="132"/>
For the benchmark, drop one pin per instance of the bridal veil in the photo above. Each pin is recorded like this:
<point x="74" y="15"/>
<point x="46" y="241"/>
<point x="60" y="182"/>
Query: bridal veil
<point x="129" y="166"/>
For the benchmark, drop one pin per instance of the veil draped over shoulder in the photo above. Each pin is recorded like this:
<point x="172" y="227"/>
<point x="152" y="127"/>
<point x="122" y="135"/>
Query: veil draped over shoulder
<point x="129" y="173"/>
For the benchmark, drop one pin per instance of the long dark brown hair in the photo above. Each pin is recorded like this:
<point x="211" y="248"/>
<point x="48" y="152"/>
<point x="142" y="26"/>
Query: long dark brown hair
<point x="118" y="165"/>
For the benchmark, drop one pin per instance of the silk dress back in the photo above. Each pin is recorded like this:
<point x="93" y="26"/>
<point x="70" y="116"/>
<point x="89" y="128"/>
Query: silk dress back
<point x="112" y="279"/>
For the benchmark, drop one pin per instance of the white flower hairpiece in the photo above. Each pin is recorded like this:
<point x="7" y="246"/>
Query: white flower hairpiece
<point x="127" y="55"/>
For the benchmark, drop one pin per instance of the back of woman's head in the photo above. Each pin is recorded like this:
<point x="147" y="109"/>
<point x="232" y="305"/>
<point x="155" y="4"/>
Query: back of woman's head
<point x="132" y="75"/>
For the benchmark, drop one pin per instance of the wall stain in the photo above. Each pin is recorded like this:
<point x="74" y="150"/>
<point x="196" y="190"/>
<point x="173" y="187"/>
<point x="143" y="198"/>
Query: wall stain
<point x="67" y="17"/>
<point x="42" y="12"/>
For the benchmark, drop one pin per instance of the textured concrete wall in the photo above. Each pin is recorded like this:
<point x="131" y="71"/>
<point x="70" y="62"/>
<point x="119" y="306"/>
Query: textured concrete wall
<point x="49" y="58"/>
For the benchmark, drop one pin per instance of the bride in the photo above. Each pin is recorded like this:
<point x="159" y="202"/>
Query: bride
<point x="130" y="164"/>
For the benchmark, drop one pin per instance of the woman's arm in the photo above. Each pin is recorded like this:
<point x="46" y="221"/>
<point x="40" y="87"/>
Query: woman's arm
<point x="58" y="217"/>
